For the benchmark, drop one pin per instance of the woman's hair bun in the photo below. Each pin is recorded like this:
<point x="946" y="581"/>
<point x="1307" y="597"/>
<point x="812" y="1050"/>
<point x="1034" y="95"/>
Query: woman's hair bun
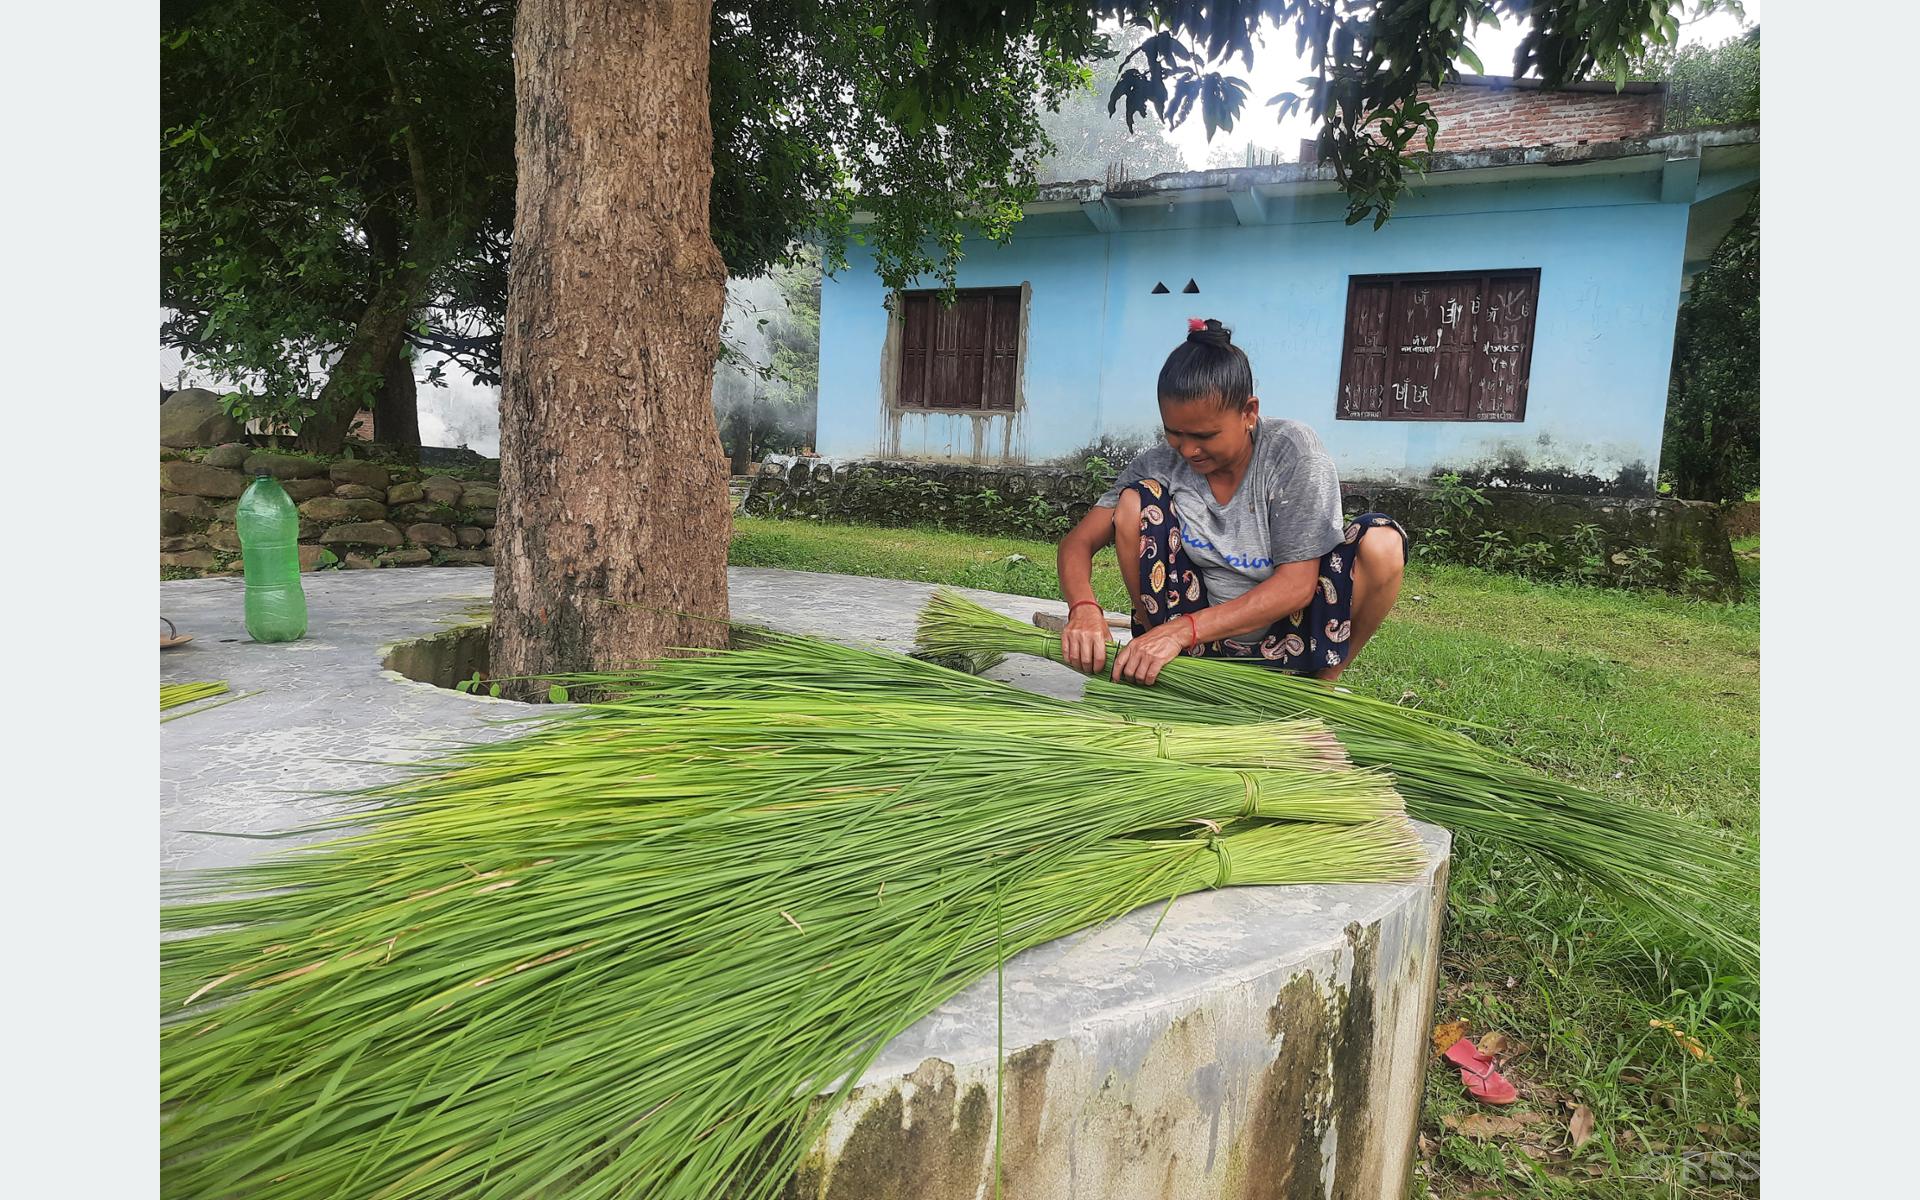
<point x="1208" y="365"/>
<point x="1209" y="332"/>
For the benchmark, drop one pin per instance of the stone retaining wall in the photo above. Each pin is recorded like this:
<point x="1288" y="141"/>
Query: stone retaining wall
<point x="355" y="513"/>
<point x="1677" y="545"/>
<point x="1743" y="518"/>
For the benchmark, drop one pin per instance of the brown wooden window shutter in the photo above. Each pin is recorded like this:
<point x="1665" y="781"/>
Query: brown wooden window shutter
<point x="1452" y="346"/>
<point x="965" y="358"/>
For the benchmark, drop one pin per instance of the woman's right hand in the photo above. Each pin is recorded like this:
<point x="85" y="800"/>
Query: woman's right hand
<point x="1084" y="641"/>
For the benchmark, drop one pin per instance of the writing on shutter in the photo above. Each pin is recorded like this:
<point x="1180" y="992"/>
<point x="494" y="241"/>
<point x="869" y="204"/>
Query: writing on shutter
<point x="1363" y="370"/>
<point x="1505" y="346"/>
<point x="964" y="357"/>
<point x="1438" y="347"/>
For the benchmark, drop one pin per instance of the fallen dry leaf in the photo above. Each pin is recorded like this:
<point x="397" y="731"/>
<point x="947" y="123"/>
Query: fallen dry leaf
<point x="1426" y="1146"/>
<point x="1580" y="1128"/>
<point x="1487" y="1125"/>
<point x="1739" y="1093"/>
<point x="1687" y="1043"/>
<point x="1444" y="1036"/>
<point x="1494" y="1043"/>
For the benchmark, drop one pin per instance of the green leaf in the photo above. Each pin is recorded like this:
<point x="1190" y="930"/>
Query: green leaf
<point x="556" y="694"/>
<point x="494" y="691"/>
<point x="1471" y="59"/>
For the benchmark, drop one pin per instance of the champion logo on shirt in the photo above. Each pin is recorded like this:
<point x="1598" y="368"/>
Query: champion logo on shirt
<point x="1246" y="561"/>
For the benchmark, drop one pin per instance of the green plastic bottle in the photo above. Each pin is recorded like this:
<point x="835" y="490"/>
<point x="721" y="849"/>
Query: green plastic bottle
<point x="269" y="528"/>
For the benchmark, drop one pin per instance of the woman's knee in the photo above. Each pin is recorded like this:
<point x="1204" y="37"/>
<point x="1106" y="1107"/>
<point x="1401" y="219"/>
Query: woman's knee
<point x="1383" y="552"/>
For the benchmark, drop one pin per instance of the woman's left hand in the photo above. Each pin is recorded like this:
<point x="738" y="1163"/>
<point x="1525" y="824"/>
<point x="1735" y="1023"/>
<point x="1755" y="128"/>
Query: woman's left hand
<point x="1140" y="660"/>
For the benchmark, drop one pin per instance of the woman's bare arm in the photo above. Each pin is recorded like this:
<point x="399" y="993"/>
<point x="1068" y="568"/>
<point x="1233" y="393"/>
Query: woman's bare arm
<point x="1084" y="642"/>
<point x="1281" y="594"/>
<point x="1075" y="559"/>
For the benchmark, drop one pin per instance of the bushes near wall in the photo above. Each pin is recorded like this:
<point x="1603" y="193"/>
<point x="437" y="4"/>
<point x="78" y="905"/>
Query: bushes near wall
<point x="1033" y="502"/>
<point x="1610" y="541"/>
<point x="356" y="513"/>
<point x="1673" y="545"/>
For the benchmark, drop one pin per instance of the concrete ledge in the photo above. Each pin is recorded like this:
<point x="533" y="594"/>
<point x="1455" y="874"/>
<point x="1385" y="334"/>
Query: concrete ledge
<point x="1267" y="1042"/>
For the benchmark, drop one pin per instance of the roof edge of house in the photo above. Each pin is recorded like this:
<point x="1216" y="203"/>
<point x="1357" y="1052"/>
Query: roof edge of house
<point x="1666" y="145"/>
<point x="1525" y="84"/>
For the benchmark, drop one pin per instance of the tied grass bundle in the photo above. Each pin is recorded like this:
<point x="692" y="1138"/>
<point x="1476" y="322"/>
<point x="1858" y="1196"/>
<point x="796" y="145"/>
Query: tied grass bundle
<point x="624" y="953"/>
<point x="173" y="695"/>
<point x="1692" y="886"/>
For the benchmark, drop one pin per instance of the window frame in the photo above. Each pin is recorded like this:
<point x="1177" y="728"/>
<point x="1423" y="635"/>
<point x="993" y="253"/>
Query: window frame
<point x="1486" y="278"/>
<point x="896" y="355"/>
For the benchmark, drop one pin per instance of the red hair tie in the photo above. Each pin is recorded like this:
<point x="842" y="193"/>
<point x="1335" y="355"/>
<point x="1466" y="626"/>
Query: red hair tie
<point x="1196" y="324"/>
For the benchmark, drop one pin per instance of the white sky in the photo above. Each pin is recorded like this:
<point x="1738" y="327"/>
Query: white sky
<point x="1277" y="69"/>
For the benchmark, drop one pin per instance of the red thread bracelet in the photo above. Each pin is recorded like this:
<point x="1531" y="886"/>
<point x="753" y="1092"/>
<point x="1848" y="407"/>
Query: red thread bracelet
<point x="1078" y="603"/>
<point x="1195" y="625"/>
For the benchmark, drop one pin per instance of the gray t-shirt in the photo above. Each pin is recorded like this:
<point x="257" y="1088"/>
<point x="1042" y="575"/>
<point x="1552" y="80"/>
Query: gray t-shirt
<point x="1287" y="508"/>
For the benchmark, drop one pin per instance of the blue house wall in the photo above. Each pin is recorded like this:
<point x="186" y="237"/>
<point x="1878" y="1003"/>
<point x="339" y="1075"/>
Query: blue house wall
<point x="1608" y="249"/>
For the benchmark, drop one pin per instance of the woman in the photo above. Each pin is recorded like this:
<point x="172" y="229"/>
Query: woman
<point x="1230" y="536"/>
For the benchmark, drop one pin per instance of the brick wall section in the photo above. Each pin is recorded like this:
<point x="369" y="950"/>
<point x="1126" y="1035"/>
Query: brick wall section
<point x="1479" y="117"/>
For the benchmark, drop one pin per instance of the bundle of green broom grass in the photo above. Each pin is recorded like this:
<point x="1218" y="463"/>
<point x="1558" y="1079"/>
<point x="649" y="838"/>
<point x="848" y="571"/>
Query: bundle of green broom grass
<point x="173" y="695"/>
<point x="1684" y="886"/>
<point x="178" y="695"/>
<point x="646" y="947"/>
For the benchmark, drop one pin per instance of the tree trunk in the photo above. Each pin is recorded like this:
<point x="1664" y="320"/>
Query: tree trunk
<point x="355" y="379"/>
<point x="742" y="440"/>
<point x="613" y="523"/>
<point x="396" y="409"/>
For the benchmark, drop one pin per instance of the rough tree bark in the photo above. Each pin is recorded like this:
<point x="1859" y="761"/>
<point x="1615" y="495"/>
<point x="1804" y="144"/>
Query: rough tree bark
<point x="742" y="441"/>
<point x="613" y="519"/>
<point x="357" y="376"/>
<point x="396" y="409"/>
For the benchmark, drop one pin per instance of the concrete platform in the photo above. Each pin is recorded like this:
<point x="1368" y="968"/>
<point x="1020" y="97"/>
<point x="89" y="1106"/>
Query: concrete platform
<point x="1267" y="1042"/>
<point x="327" y="717"/>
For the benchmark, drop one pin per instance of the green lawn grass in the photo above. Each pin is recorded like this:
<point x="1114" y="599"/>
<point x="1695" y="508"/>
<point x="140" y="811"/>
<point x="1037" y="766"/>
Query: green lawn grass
<point x="1641" y="695"/>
